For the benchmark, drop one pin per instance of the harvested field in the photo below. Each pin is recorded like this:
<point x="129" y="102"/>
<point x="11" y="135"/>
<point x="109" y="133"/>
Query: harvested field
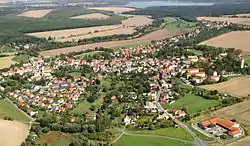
<point x="6" y="62"/>
<point x="235" y="39"/>
<point x="238" y="86"/>
<point x="245" y="21"/>
<point x="91" y="16"/>
<point x="113" y="9"/>
<point x="35" y="13"/>
<point x="156" y="35"/>
<point x="243" y="142"/>
<point x="12" y="133"/>
<point x="127" y="27"/>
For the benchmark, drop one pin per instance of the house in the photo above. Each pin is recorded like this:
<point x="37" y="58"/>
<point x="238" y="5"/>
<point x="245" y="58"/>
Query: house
<point x="127" y="120"/>
<point x="151" y="106"/>
<point x="179" y="113"/>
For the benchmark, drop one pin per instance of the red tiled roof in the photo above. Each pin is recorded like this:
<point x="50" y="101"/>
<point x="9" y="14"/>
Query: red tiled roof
<point x="222" y="122"/>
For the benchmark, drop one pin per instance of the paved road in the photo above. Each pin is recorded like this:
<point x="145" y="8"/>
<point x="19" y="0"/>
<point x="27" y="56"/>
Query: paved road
<point x="198" y="141"/>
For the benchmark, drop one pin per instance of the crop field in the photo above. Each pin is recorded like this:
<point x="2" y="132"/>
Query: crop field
<point x="113" y="9"/>
<point x="127" y="26"/>
<point x="235" y="39"/>
<point x="245" y="21"/>
<point x="238" y="86"/>
<point x="147" y="141"/>
<point x="91" y="16"/>
<point x="7" y="109"/>
<point x="12" y="133"/>
<point x="6" y="62"/>
<point x="156" y="35"/>
<point x="35" y="13"/>
<point x="192" y="103"/>
<point x="242" y="142"/>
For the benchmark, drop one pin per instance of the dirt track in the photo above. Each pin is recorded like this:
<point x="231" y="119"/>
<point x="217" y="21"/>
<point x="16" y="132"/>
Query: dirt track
<point x="156" y="35"/>
<point x="12" y="133"/>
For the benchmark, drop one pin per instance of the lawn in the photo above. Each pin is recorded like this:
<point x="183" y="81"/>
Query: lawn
<point x="88" y="54"/>
<point x="192" y="103"/>
<point x="148" y="141"/>
<point x="55" y="139"/>
<point x="21" y="58"/>
<point x="7" y="109"/>
<point x="171" y="132"/>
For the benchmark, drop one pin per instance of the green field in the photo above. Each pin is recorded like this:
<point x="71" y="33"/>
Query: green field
<point x="117" y="48"/>
<point x="148" y="141"/>
<point x="76" y="74"/>
<point x="55" y="139"/>
<point x="192" y="103"/>
<point x="174" y="22"/>
<point x="7" y="109"/>
<point x="88" y="54"/>
<point x="21" y="58"/>
<point x="171" y="132"/>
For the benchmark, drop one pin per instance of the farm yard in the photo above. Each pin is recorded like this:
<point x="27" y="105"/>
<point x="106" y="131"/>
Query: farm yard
<point x="245" y="21"/>
<point x="235" y="39"/>
<point x="188" y="102"/>
<point x="126" y="140"/>
<point x="156" y="35"/>
<point x="238" y="86"/>
<point x="35" y="13"/>
<point x="127" y="26"/>
<point x="12" y="133"/>
<point x="91" y="16"/>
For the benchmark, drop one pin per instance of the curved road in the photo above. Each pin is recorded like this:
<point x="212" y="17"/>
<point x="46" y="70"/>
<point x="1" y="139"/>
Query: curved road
<point x="198" y="141"/>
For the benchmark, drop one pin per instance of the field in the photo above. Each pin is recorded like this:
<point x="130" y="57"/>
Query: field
<point x="21" y="58"/>
<point x="127" y="26"/>
<point x="91" y="16"/>
<point x="238" y="86"/>
<point x="113" y="9"/>
<point x="55" y="139"/>
<point x="147" y="141"/>
<point x="12" y="133"/>
<point x="192" y="103"/>
<point x="245" y="21"/>
<point x="236" y="39"/>
<point x="156" y="35"/>
<point x="35" y="13"/>
<point x="243" y="142"/>
<point x="6" y="62"/>
<point x="7" y="109"/>
<point x="171" y="132"/>
<point x="174" y="22"/>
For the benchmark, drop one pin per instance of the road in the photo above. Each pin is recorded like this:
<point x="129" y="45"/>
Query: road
<point x="198" y="141"/>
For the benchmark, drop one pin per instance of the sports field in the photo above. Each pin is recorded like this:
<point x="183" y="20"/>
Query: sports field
<point x="235" y="39"/>
<point x="7" y="109"/>
<point x="192" y="103"/>
<point x="238" y="86"/>
<point x="147" y="141"/>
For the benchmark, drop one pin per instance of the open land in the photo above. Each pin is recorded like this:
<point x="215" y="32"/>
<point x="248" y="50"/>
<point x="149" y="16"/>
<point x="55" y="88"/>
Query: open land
<point x="156" y="35"/>
<point x="147" y="141"/>
<point x="12" y="133"/>
<point x="235" y="39"/>
<point x="238" y="86"/>
<point x="6" y="62"/>
<point x="113" y="9"/>
<point x="127" y="26"/>
<point x="35" y="13"/>
<point x="188" y="102"/>
<point x="245" y="21"/>
<point x="7" y="109"/>
<point x="91" y="16"/>
<point x="55" y="139"/>
<point x="243" y="142"/>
